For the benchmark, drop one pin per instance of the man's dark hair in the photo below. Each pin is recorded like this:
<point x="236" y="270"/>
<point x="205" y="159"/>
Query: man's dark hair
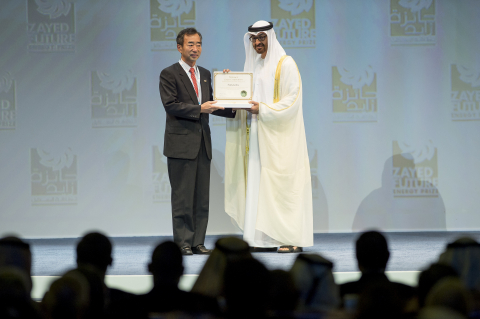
<point x="167" y="260"/>
<point x="95" y="249"/>
<point x="372" y="251"/>
<point x="187" y="31"/>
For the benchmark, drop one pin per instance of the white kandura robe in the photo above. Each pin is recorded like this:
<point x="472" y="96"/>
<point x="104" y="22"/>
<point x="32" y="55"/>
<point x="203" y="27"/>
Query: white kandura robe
<point x="273" y="205"/>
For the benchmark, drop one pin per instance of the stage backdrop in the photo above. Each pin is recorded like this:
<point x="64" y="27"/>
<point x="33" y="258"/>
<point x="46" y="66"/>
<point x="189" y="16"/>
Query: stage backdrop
<point x="391" y="92"/>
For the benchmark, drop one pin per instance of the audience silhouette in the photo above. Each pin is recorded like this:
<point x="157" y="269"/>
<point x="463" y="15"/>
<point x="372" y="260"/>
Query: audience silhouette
<point x="233" y="284"/>
<point x="372" y="254"/>
<point x="167" y="268"/>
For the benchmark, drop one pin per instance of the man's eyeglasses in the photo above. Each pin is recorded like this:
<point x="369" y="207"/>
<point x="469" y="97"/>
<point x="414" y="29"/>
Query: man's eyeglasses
<point x="260" y="37"/>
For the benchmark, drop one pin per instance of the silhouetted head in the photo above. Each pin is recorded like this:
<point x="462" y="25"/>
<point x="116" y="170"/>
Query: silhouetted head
<point x="429" y="277"/>
<point x="14" y="252"/>
<point x="167" y="263"/>
<point x="450" y="293"/>
<point x="15" y="301"/>
<point x="67" y="298"/>
<point x="95" y="249"/>
<point x="463" y="255"/>
<point x="96" y="290"/>
<point x="210" y="282"/>
<point x="314" y="280"/>
<point x="247" y="284"/>
<point x="372" y="252"/>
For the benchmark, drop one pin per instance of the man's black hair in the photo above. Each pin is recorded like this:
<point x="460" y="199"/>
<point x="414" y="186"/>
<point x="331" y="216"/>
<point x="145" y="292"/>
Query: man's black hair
<point x="187" y="31"/>
<point x="167" y="258"/>
<point x="95" y="249"/>
<point x="372" y="251"/>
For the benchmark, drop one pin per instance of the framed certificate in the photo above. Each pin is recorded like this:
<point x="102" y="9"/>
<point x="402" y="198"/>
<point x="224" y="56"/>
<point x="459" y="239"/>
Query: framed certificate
<point x="233" y="89"/>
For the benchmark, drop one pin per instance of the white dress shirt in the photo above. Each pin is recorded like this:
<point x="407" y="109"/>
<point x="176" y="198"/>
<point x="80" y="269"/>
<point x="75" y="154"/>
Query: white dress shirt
<point x="187" y="67"/>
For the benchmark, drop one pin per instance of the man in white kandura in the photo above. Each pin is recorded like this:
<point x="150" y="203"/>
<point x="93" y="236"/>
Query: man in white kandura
<point x="268" y="191"/>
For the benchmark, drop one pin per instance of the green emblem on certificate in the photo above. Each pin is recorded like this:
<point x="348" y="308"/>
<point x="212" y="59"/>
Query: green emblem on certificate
<point x="243" y="93"/>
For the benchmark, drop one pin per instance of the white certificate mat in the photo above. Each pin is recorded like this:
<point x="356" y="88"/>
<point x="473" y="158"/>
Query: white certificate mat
<point x="233" y="89"/>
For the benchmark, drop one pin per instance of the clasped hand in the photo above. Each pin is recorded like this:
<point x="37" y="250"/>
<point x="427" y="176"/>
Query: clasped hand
<point x="254" y="109"/>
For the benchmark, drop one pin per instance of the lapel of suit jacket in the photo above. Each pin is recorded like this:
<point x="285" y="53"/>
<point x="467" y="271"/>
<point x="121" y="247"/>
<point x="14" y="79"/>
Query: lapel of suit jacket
<point x="187" y="82"/>
<point x="204" y="85"/>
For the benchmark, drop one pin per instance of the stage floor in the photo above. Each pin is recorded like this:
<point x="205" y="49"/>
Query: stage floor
<point x="410" y="251"/>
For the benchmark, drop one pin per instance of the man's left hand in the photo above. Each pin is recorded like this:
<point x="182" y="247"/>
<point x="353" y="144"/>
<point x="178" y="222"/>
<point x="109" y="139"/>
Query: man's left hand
<point x="255" y="108"/>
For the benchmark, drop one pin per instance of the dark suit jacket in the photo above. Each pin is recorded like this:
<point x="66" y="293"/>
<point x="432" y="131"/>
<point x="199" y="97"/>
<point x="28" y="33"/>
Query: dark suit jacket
<point x="405" y="292"/>
<point x="167" y="299"/>
<point x="185" y="124"/>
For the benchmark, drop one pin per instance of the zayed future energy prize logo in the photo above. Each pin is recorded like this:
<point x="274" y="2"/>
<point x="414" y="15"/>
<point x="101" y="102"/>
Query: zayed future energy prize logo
<point x="161" y="182"/>
<point x="7" y="102"/>
<point x="465" y="93"/>
<point x="415" y="170"/>
<point x="412" y="22"/>
<point x="114" y="99"/>
<point x="51" y="26"/>
<point x="294" y="22"/>
<point x="53" y="177"/>
<point x="167" y="18"/>
<point x="354" y="94"/>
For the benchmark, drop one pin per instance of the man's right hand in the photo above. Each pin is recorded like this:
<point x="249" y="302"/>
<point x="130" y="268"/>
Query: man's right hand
<point x="209" y="107"/>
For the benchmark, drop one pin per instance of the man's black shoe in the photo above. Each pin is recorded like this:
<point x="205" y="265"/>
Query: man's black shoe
<point x="201" y="250"/>
<point x="186" y="250"/>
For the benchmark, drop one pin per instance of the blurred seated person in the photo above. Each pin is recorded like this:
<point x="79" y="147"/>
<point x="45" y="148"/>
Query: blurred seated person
<point x="210" y="280"/>
<point x="313" y="278"/>
<point x="463" y="255"/>
<point x="380" y="300"/>
<point x="429" y="277"/>
<point x="165" y="297"/>
<point x="372" y="255"/>
<point x="94" y="256"/>
<point x="67" y="298"/>
<point x="283" y="296"/>
<point x="14" y="252"/>
<point x="450" y="293"/>
<point x="247" y="287"/>
<point x="15" y="301"/>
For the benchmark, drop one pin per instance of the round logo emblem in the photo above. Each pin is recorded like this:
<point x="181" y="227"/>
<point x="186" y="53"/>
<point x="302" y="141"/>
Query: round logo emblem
<point x="243" y="93"/>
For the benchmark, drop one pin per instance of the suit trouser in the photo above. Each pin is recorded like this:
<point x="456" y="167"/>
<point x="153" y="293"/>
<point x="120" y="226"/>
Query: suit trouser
<point x="190" y="182"/>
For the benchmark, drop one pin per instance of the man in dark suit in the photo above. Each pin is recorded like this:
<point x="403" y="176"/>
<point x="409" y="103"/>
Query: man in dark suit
<point x="372" y="254"/>
<point x="186" y="93"/>
<point x="167" y="269"/>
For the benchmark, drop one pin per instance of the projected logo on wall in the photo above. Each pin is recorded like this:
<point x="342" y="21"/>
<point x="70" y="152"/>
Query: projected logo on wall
<point x="114" y="99"/>
<point x="354" y="94"/>
<point x="53" y="177"/>
<point x="412" y="22"/>
<point x="161" y="183"/>
<point x="167" y="18"/>
<point x="7" y="102"/>
<point x="465" y="93"/>
<point x="415" y="170"/>
<point x="51" y="26"/>
<point x="294" y="22"/>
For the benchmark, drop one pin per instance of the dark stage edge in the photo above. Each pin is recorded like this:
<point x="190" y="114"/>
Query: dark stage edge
<point x="410" y="251"/>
